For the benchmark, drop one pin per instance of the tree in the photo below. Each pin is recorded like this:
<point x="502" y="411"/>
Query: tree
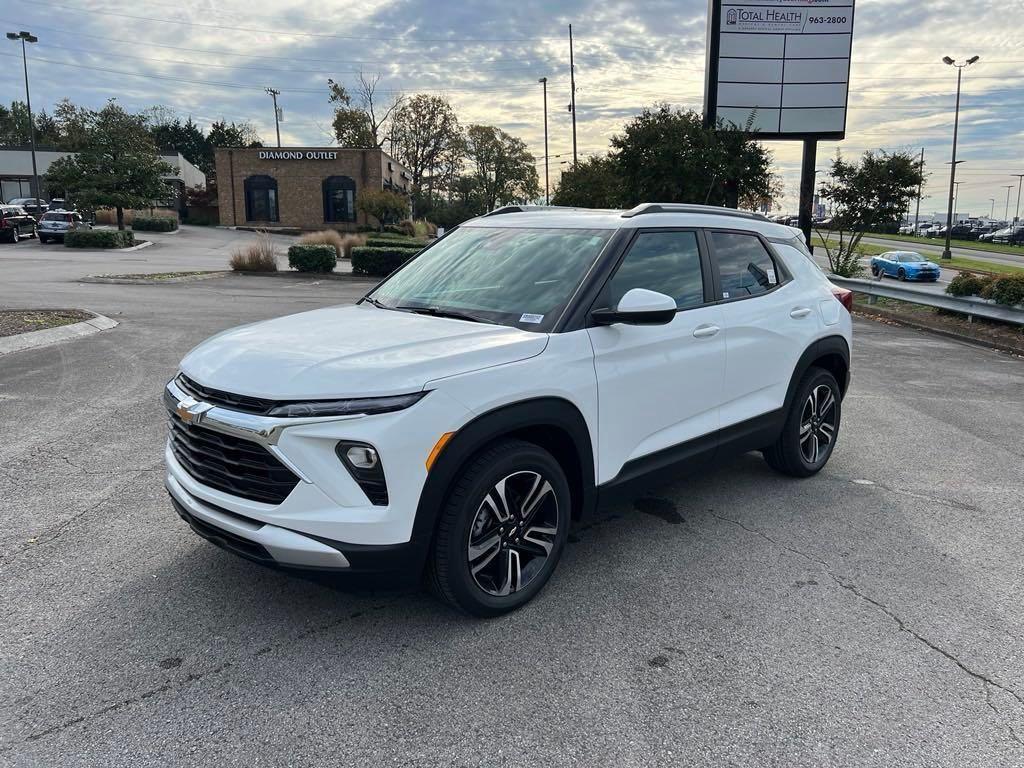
<point x="118" y="167"/>
<point x="668" y="155"/>
<point x="360" y="120"/>
<point x="383" y="205"/>
<point x="591" y="184"/>
<point x="864" y="195"/>
<point x="14" y="127"/>
<point x="503" y="170"/>
<point x="426" y="138"/>
<point x="224" y="134"/>
<point x="186" y="138"/>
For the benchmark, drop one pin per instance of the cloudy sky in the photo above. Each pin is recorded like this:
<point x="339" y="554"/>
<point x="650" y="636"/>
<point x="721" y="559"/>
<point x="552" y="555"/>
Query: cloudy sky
<point x="212" y="59"/>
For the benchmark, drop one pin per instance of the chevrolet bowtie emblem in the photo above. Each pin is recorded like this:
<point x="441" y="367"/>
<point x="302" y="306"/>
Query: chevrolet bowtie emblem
<point x="191" y="410"/>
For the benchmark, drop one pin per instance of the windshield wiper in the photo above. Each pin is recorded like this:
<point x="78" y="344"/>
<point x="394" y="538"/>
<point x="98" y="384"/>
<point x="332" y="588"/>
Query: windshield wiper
<point x="440" y="312"/>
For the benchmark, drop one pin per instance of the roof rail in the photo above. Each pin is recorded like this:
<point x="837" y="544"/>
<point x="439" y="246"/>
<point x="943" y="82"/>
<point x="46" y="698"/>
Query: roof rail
<point x="528" y="209"/>
<point x="713" y="210"/>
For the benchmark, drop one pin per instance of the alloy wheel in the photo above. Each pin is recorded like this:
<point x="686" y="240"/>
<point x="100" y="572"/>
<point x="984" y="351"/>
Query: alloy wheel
<point x="15" y="237"/>
<point x="818" y="424"/>
<point x="513" y="533"/>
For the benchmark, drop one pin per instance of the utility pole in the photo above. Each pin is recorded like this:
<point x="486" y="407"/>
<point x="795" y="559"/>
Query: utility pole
<point x="277" y="122"/>
<point x="547" y="198"/>
<point x="1020" y="177"/>
<point x="28" y="37"/>
<point x="917" y="212"/>
<point x="1006" y="215"/>
<point x="572" y="104"/>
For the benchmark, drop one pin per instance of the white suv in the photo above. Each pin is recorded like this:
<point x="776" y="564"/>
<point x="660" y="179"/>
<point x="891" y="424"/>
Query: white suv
<point x="466" y="411"/>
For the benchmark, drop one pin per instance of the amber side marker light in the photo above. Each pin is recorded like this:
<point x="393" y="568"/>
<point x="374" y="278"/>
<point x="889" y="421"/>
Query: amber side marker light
<point x="442" y="441"/>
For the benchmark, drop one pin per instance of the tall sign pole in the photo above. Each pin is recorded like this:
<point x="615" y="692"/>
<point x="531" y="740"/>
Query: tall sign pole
<point x="780" y="69"/>
<point x="572" y="103"/>
<point x="547" y="197"/>
<point x="1020" y="178"/>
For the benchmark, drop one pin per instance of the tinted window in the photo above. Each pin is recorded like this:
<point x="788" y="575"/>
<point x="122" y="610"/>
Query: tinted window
<point x="745" y="267"/>
<point x="667" y="262"/>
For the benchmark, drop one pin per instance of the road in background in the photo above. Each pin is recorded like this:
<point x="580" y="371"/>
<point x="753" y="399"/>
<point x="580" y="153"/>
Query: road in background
<point x="867" y="616"/>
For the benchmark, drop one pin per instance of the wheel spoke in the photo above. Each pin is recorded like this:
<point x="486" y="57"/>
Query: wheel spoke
<point x="805" y="432"/>
<point x="542" y="536"/>
<point x="513" y="573"/>
<point x="534" y="498"/>
<point x="484" y="552"/>
<point x="495" y="502"/>
<point x="827" y="403"/>
<point x="826" y="431"/>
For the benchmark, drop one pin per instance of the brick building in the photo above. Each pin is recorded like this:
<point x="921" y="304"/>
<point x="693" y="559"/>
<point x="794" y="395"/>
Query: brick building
<point x="304" y="187"/>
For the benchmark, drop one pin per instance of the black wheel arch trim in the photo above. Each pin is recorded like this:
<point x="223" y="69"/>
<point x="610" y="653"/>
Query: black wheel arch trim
<point x="513" y="420"/>
<point x="824" y="347"/>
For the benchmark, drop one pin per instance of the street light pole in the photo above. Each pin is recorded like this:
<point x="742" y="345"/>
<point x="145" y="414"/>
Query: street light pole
<point x="1020" y="177"/>
<point x="1006" y="214"/>
<point x="28" y="37"/>
<point x="992" y="208"/>
<point x="572" y="103"/>
<point x="277" y="124"/>
<point x="946" y="253"/>
<point x="547" y="199"/>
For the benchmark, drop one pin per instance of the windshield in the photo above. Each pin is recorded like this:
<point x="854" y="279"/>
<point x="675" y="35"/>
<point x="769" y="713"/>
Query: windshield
<point x="909" y="258"/>
<point x="56" y="217"/>
<point x="511" y="276"/>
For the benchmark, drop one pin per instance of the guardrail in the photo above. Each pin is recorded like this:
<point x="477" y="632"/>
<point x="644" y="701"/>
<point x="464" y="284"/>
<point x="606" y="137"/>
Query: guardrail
<point x="965" y="305"/>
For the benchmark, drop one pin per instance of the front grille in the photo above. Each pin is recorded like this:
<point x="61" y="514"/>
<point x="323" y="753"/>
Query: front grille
<point x="230" y="464"/>
<point x="235" y="402"/>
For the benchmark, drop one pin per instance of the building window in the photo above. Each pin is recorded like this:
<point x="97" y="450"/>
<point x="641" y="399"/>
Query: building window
<point x="261" y="198"/>
<point x="339" y="199"/>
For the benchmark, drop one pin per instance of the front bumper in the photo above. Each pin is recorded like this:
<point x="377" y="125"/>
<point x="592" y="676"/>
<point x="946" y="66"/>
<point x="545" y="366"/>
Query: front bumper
<point x="326" y="521"/>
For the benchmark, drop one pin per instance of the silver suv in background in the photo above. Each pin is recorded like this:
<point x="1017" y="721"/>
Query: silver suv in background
<point x="55" y="224"/>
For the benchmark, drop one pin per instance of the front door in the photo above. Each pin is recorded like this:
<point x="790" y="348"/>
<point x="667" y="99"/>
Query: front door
<point x="658" y="386"/>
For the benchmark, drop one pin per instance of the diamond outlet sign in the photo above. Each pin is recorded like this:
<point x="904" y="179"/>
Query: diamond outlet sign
<point x="781" y="66"/>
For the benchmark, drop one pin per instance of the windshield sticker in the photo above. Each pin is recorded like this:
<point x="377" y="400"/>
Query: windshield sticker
<point x="527" y="318"/>
<point x="771" y="276"/>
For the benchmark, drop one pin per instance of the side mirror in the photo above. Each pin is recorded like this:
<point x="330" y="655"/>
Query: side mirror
<point x="638" y="307"/>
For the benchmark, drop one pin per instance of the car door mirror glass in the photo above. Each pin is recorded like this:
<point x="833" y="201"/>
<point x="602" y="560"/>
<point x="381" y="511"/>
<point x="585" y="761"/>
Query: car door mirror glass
<point x="639" y="306"/>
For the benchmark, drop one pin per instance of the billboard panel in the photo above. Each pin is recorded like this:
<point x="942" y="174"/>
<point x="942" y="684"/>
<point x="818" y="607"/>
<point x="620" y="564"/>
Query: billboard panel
<point x="781" y="65"/>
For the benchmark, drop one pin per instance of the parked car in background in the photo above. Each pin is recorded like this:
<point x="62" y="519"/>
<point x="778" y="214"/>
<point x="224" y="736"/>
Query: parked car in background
<point x="1010" y="236"/>
<point x="907" y="229"/>
<point x="960" y="231"/>
<point x="32" y="205"/>
<point x="16" y="223"/>
<point x="990" y="237"/>
<point x="934" y="230"/>
<point x="55" y="224"/>
<point x="904" y="265"/>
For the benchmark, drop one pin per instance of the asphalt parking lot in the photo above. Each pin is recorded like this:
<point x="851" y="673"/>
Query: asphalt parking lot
<point x="869" y="616"/>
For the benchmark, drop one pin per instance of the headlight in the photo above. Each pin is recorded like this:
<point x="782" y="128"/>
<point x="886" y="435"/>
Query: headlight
<point x="353" y="406"/>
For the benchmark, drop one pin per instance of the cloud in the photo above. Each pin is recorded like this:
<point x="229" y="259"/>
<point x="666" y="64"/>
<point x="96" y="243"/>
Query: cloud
<point x="212" y="59"/>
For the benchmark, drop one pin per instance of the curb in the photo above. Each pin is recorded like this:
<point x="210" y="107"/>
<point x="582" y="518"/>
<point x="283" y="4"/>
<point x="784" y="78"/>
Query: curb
<point x="48" y="336"/>
<point x="112" y="280"/>
<point x="895" y="317"/>
<point x="310" y="275"/>
<point x="139" y="247"/>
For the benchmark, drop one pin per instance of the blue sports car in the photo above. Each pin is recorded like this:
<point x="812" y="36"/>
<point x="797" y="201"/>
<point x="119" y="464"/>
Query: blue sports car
<point x="904" y="265"/>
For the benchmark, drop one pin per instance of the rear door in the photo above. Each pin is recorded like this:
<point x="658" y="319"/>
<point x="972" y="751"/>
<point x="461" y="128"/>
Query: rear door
<point x="658" y="386"/>
<point x="769" y="320"/>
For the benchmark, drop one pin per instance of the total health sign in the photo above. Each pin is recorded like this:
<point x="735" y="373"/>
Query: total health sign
<point x="780" y="66"/>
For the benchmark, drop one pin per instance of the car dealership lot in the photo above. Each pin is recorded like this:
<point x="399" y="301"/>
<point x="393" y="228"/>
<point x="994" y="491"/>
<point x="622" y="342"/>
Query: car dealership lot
<point x="867" y="616"/>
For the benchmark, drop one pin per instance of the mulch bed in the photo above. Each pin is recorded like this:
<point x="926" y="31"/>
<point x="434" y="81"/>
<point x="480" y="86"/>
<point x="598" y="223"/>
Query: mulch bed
<point x="15" y="321"/>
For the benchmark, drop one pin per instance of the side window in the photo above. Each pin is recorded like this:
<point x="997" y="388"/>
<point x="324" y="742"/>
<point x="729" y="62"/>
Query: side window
<point x="744" y="265"/>
<point x="667" y="262"/>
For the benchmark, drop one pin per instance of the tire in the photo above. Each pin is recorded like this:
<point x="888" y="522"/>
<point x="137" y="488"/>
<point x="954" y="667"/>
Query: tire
<point x="475" y="551"/>
<point x="791" y="453"/>
<point x="876" y="271"/>
<point x="902" y="275"/>
<point x="15" y="236"/>
<point x="43" y="240"/>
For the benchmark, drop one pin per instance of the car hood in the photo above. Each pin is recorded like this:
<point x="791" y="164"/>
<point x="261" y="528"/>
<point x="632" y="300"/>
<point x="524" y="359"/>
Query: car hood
<point x="352" y="351"/>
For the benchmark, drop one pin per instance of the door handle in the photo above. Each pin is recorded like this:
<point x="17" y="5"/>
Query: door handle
<point x="799" y="312"/>
<point x="705" y="331"/>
